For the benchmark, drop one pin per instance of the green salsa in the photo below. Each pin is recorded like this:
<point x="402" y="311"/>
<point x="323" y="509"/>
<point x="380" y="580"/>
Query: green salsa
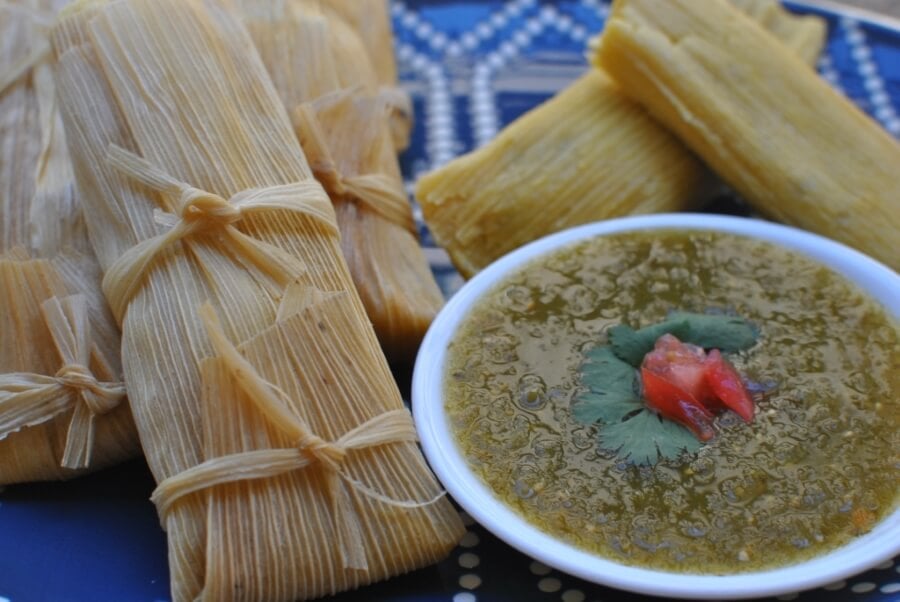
<point x="819" y="464"/>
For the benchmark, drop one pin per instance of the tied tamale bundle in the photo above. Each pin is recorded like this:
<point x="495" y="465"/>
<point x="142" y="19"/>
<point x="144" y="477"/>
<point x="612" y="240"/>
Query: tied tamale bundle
<point x="62" y="409"/>
<point x="781" y="136"/>
<point x="589" y="153"/>
<point x="371" y="19"/>
<point x="321" y="72"/>
<point x="284" y="457"/>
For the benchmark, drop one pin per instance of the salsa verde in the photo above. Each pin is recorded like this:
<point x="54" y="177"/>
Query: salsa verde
<point x="819" y="464"/>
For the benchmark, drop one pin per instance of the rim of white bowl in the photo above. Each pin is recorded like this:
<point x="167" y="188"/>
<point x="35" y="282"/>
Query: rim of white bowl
<point x="451" y="468"/>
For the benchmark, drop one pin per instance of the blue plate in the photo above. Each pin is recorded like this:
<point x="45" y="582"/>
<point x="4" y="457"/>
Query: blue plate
<point x="472" y="67"/>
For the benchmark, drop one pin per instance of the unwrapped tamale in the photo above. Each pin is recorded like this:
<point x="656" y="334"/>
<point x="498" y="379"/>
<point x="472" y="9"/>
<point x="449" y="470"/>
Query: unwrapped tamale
<point x="322" y="73"/>
<point x="371" y="19"/>
<point x="789" y="143"/>
<point x="62" y="409"/>
<point x="804" y="34"/>
<point x="587" y="154"/>
<point x="268" y="416"/>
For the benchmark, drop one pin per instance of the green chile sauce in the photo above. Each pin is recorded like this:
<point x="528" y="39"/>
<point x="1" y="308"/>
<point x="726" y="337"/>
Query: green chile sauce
<point x="818" y="465"/>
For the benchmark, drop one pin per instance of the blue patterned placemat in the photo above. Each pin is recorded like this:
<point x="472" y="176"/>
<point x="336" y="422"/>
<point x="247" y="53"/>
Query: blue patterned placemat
<point x="472" y="67"/>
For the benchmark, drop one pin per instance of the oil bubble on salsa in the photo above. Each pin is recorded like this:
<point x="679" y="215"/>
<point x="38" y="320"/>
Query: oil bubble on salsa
<point x="818" y="466"/>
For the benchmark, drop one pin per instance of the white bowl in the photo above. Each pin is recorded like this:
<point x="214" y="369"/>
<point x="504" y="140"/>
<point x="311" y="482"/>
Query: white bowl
<point x="882" y="543"/>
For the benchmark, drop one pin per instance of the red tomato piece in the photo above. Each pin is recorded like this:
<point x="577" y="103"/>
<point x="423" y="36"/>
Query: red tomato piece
<point x="685" y="384"/>
<point x="683" y="365"/>
<point x="726" y="384"/>
<point x="676" y="404"/>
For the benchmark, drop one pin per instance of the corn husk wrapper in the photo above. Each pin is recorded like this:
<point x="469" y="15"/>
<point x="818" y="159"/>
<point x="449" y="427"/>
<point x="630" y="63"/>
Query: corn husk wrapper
<point x="371" y="19"/>
<point x="804" y="34"/>
<point x="781" y="136"/>
<point x="343" y="127"/>
<point x="62" y="410"/>
<point x="198" y="195"/>
<point x="590" y="153"/>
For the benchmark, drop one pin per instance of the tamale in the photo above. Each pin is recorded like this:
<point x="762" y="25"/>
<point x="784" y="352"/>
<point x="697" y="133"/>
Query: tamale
<point x="804" y="34"/>
<point x="62" y="410"/>
<point x="371" y="19"/>
<point x="781" y="136"/>
<point x="343" y="129"/>
<point x="589" y="153"/>
<point x="197" y="203"/>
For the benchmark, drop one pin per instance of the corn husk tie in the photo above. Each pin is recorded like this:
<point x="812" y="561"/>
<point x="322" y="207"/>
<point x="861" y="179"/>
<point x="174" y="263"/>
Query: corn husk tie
<point x="394" y="426"/>
<point x="31" y="399"/>
<point x="378" y="193"/>
<point x="400" y="105"/>
<point x="199" y="211"/>
<point x="397" y="100"/>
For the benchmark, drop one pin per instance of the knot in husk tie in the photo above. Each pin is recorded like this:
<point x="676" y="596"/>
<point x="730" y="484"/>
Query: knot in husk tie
<point x="31" y="399"/>
<point x="378" y="193"/>
<point x="201" y="208"/>
<point x="327" y="453"/>
<point x="394" y="426"/>
<point x="99" y="397"/>
<point x="199" y="211"/>
<point x="397" y="99"/>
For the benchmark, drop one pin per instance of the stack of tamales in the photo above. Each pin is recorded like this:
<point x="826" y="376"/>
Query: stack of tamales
<point x="587" y="154"/>
<point x="322" y="73"/>
<point x="62" y="409"/>
<point x="790" y="144"/>
<point x="286" y="461"/>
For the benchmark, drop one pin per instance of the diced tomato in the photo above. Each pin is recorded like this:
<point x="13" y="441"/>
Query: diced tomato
<point x="682" y="364"/>
<point x="676" y="404"/>
<point x="726" y="384"/>
<point x="685" y="384"/>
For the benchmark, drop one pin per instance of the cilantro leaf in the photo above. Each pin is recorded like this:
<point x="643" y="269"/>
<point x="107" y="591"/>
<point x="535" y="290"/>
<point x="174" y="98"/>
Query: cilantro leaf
<point x="632" y="345"/>
<point x="726" y="333"/>
<point x="613" y="386"/>
<point x="605" y="407"/>
<point x="671" y="438"/>
<point x="645" y="438"/>
<point x="627" y="426"/>
<point x="605" y="371"/>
